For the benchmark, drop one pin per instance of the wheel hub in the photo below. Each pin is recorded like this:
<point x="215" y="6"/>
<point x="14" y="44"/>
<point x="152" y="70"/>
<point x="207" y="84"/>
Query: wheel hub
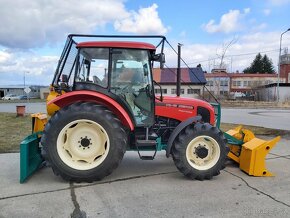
<point x="201" y="151"/>
<point x="85" y="142"/>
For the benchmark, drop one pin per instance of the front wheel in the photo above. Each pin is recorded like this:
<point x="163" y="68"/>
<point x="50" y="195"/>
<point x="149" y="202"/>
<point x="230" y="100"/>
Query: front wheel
<point x="200" y="151"/>
<point x="84" y="142"/>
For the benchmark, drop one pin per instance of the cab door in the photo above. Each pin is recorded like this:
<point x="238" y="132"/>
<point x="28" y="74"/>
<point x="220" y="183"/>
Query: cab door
<point x="131" y="81"/>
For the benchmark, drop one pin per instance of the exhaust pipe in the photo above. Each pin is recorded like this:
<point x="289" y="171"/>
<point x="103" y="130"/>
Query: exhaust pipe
<point x="178" y="79"/>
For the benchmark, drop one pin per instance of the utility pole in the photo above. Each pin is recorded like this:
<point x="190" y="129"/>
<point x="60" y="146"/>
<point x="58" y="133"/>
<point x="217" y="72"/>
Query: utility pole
<point x="279" y="62"/>
<point x="23" y="82"/>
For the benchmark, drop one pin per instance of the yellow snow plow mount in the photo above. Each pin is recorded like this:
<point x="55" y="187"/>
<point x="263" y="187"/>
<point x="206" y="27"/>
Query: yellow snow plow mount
<point x="248" y="151"/>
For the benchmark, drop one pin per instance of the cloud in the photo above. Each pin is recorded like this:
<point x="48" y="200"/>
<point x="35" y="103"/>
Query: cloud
<point x="229" y="22"/>
<point x="15" y="62"/>
<point x="267" y="12"/>
<point x="182" y="34"/>
<point x="260" y="27"/>
<point x="32" y="24"/>
<point x="145" y="21"/>
<point x="29" y="24"/>
<point x="247" y="10"/>
<point x="4" y="57"/>
<point x="238" y="56"/>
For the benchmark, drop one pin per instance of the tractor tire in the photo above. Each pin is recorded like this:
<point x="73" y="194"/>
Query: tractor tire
<point x="84" y="142"/>
<point x="199" y="151"/>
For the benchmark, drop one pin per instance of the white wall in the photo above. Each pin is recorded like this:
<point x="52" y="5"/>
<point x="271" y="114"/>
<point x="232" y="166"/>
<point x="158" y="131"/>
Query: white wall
<point x="185" y="87"/>
<point x="270" y="94"/>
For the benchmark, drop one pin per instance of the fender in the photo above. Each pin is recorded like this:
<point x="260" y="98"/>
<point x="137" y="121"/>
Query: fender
<point x="178" y="129"/>
<point x="90" y="96"/>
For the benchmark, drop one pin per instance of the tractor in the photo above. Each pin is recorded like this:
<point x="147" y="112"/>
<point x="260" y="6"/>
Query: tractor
<point x="102" y="103"/>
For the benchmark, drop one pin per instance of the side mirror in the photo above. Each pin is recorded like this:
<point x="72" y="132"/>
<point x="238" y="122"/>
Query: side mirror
<point x="160" y="58"/>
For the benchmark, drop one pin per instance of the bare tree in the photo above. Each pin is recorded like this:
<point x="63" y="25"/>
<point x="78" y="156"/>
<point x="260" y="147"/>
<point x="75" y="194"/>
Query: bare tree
<point x="225" y="47"/>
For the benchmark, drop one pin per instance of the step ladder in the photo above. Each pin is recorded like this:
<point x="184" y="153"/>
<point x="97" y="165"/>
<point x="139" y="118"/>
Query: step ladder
<point x="146" y="145"/>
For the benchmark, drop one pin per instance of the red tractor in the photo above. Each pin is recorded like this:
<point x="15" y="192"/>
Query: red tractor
<point x="102" y="102"/>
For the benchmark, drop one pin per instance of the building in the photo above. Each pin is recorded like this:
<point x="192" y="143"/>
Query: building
<point x="16" y="90"/>
<point x="226" y="84"/>
<point x="285" y="68"/>
<point x="19" y="90"/>
<point x="218" y="83"/>
<point x="269" y="92"/>
<point x="192" y="81"/>
<point x="247" y="83"/>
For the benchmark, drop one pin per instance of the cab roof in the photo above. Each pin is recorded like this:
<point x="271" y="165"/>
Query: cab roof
<point x="117" y="44"/>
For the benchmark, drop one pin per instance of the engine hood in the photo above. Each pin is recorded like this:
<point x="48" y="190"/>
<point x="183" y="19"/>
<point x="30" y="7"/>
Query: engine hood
<point x="182" y="108"/>
<point x="184" y="101"/>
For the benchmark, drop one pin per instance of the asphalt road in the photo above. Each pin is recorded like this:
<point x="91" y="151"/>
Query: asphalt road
<point x="29" y="107"/>
<point x="270" y="118"/>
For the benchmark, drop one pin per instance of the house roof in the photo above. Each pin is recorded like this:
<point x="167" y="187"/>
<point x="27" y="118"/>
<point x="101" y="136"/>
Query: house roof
<point x="188" y="75"/>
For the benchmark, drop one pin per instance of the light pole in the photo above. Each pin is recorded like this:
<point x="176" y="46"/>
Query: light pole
<point x="24" y="81"/>
<point x="279" y="62"/>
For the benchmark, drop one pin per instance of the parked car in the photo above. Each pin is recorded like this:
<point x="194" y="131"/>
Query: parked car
<point x="9" y="97"/>
<point x="22" y="97"/>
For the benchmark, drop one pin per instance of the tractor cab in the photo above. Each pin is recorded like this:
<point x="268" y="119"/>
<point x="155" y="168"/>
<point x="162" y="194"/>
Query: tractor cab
<point x="120" y="70"/>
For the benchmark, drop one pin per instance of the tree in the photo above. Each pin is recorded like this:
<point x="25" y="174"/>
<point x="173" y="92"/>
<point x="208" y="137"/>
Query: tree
<point x="268" y="65"/>
<point x="260" y="65"/>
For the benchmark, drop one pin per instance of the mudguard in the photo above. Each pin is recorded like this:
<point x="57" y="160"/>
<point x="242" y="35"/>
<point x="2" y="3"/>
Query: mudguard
<point x="178" y="129"/>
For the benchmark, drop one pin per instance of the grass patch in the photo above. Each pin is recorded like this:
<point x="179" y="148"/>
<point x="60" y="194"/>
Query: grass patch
<point x="12" y="131"/>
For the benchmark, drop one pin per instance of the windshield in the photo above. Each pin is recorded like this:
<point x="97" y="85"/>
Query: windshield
<point x="130" y="66"/>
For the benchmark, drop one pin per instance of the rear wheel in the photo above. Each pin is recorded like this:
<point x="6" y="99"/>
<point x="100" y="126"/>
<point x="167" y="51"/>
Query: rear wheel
<point x="199" y="151"/>
<point x="84" y="142"/>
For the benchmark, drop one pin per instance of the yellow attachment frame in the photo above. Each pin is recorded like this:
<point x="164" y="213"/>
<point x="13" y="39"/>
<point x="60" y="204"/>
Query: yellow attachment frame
<point x="38" y="122"/>
<point x="251" y="153"/>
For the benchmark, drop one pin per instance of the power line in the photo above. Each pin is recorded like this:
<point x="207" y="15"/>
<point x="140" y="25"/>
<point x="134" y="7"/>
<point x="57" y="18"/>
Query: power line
<point x="234" y="55"/>
<point x="190" y="70"/>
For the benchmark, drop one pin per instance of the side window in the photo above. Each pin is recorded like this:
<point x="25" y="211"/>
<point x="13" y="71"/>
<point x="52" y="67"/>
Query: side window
<point x="99" y="72"/>
<point x="93" y="66"/>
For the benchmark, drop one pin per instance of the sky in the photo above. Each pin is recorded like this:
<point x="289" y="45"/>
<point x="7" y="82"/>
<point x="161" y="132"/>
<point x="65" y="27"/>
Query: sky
<point x="33" y="33"/>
